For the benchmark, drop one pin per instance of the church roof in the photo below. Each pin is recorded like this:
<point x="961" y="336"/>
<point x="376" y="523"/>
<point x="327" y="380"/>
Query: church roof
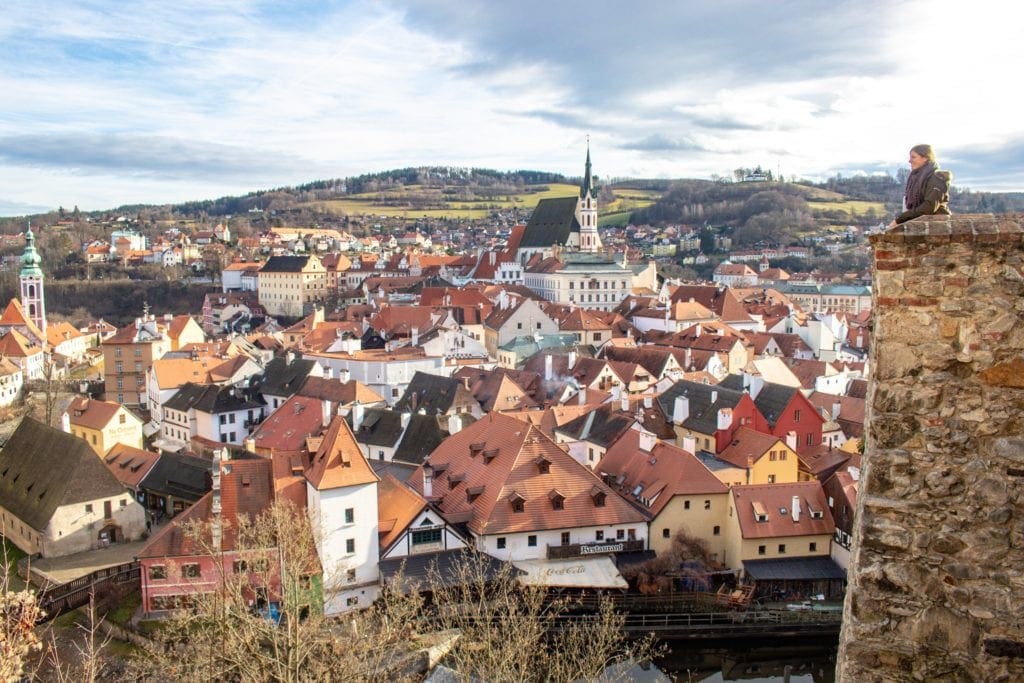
<point x="551" y="223"/>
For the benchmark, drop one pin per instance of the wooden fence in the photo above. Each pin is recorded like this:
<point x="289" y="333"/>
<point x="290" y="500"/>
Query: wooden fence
<point x="60" y="598"/>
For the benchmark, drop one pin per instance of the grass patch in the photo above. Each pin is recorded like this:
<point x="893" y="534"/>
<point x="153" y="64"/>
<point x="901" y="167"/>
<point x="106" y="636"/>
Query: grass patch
<point x="121" y="614"/>
<point x="850" y="206"/>
<point x="615" y="219"/>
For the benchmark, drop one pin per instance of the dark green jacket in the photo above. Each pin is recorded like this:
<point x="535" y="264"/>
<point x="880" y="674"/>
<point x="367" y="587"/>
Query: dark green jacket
<point x="936" y="198"/>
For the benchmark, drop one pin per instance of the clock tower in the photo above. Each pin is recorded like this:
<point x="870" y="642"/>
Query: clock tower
<point x="31" y="279"/>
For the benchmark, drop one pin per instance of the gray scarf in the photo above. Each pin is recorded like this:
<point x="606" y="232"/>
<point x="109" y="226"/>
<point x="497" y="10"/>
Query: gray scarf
<point x="914" y="194"/>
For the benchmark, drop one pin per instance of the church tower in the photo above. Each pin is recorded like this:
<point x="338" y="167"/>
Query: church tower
<point x="31" y="279"/>
<point x="586" y="211"/>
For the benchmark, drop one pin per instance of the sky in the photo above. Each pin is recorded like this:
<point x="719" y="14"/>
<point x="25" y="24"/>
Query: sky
<point x="110" y="103"/>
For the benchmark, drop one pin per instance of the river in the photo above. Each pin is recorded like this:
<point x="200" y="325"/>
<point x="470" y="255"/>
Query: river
<point x="810" y="660"/>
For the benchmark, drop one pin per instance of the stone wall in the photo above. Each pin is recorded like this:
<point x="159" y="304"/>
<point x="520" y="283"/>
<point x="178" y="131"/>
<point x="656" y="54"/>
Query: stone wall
<point x="936" y="587"/>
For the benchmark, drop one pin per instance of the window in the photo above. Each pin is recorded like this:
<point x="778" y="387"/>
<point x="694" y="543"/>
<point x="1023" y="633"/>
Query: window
<point x="394" y="392"/>
<point x="157" y="572"/>
<point x="810" y="439"/>
<point x="707" y="504"/>
<point x="350" y="575"/>
<point x="519" y="326"/>
<point x="223" y="419"/>
<point x="782" y="549"/>
<point x="761" y="550"/>
<point x="351" y="602"/>
<point x="518" y="505"/>
<point x="239" y="566"/>
<point x="812" y="547"/>
<point x="350" y="546"/>
<point x="93" y="439"/>
<point x="631" y="534"/>
<point x="565" y="538"/>
<point x="501" y="542"/>
<point x="666" y="533"/>
<point x="771" y="478"/>
<point x="620" y="534"/>
<point x="599" y="535"/>
<point x="531" y="540"/>
<point x="350" y="515"/>
<point x="426" y="536"/>
<point x="686" y="505"/>
<point x="123" y="502"/>
<point x="772" y="456"/>
<point x="796" y="416"/>
<point x="122" y="418"/>
<point x="782" y="455"/>
<point x="88" y="508"/>
<point x="716" y="530"/>
<point x="190" y="571"/>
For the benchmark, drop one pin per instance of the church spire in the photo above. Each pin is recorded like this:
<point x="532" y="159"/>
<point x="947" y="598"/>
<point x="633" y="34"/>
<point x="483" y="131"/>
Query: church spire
<point x="31" y="280"/>
<point x="587" y="186"/>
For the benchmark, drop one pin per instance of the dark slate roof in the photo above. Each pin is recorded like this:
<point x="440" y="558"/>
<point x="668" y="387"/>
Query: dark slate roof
<point x="42" y="468"/>
<point x="773" y="399"/>
<point x="551" y="223"/>
<point x="793" y="569"/>
<point x="421" y="438"/>
<point x="602" y="426"/>
<point x="703" y="411"/>
<point x="211" y="399"/>
<point x="431" y="393"/>
<point x="281" y="378"/>
<point x="285" y="264"/>
<point x="444" y="564"/>
<point x="380" y="427"/>
<point x="182" y="476"/>
<point x="712" y="462"/>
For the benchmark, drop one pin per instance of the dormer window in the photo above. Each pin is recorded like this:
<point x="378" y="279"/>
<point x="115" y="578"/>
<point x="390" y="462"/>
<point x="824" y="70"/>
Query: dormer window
<point x="543" y="465"/>
<point x="598" y="496"/>
<point x="455" y="479"/>
<point x="518" y="502"/>
<point x="490" y="455"/>
<point x="557" y="500"/>
<point x="473" y="492"/>
<point x="760" y="512"/>
<point x="476" y="448"/>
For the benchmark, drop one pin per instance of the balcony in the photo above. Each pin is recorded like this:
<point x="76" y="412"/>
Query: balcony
<point x="561" y="552"/>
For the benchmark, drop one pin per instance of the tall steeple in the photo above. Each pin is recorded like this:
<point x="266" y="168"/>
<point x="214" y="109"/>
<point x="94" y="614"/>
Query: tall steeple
<point x="31" y="279"/>
<point x="587" y="186"/>
<point x="586" y="210"/>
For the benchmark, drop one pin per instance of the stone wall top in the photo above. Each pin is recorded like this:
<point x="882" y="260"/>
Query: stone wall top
<point x="978" y="228"/>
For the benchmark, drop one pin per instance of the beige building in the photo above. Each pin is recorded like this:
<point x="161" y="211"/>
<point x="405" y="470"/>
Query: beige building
<point x="289" y="286"/>
<point x="58" y="498"/>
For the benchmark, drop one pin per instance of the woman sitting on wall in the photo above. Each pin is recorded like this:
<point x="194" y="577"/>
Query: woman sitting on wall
<point x="927" y="191"/>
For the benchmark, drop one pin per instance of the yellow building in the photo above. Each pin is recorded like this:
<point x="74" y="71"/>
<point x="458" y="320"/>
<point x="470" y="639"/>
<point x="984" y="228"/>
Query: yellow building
<point x="773" y="521"/>
<point x="758" y="458"/>
<point x="290" y="285"/>
<point x="102" y="424"/>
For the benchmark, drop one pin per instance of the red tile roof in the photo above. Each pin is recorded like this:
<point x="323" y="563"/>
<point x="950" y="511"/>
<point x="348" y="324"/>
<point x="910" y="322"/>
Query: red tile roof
<point x="130" y="464"/>
<point x="397" y="506"/>
<point x="772" y="499"/>
<point x="287" y="427"/>
<point x="497" y="457"/>
<point x="339" y="462"/>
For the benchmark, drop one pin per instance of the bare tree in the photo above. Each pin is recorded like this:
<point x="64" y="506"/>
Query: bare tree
<point x="19" y="612"/>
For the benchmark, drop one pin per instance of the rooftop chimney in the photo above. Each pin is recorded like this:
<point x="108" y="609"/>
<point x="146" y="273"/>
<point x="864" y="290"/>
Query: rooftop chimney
<point x="428" y="479"/>
<point x="681" y="410"/>
<point x="582" y="396"/>
<point x="415" y="336"/>
<point x="65" y="423"/>
<point x="794" y="508"/>
<point x="690" y="444"/>
<point x="548" y="368"/>
<point x="328" y="372"/>
<point x="648" y="401"/>
<point x="405" y="418"/>
<point x="624" y="402"/>
<point x="791" y="439"/>
<point x="454" y="424"/>
<point x="572" y="359"/>
<point x="714" y="396"/>
<point x="647" y="441"/>
<point x="344" y="375"/>
<point x="250" y="444"/>
<point x="724" y="418"/>
<point x="836" y="407"/>
<point x="357" y="415"/>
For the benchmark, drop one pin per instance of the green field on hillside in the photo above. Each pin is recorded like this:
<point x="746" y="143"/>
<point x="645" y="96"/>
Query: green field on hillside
<point x="416" y="201"/>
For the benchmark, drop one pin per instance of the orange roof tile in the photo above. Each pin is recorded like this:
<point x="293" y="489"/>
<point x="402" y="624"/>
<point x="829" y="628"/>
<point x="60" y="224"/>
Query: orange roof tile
<point x="16" y="345"/>
<point x="287" y="427"/>
<point x="130" y="465"/>
<point x="748" y="446"/>
<point x="90" y="413"/>
<point x="397" y="506"/>
<point x="772" y="499"/>
<point x="339" y="462"/>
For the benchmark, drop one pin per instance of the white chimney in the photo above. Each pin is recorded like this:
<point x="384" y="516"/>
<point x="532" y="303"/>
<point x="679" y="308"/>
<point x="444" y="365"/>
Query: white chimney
<point x="791" y="440"/>
<point x="794" y="508"/>
<point x="328" y="372"/>
<point x="428" y="479"/>
<point x="357" y="416"/>
<point x="405" y="418"/>
<point x="724" y="418"/>
<point x="65" y="423"/>
<point x="582" y="396"/>
<point x="756" y="385"/>
<point x="714" y="396"/>
<point x="648" y="401"/>
<point x="681" y="410"/>
<point x="647" y="441"/>
<point x="326" y="413"/>
<point x="250" y="445"/>
<point x="624" y="403"/>
<point x="572" y="359"/>
<point x="836" y="406"/>
<point x="344" y="375"/>
<point x="690" y="444"/>
<point x="215" y="523"/>
<point x="549" y="372"/>
<point x="415" y="336"/>
<point x="697" y="330"/>
<point x="454" y="424"/>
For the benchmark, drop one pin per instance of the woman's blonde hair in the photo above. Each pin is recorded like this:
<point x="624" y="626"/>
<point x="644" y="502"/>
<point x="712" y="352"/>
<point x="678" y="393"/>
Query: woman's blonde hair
<point x="925" y="151"/>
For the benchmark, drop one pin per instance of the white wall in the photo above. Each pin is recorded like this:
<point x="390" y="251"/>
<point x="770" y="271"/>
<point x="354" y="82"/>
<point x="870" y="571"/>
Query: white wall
<point x="517" y="545"/>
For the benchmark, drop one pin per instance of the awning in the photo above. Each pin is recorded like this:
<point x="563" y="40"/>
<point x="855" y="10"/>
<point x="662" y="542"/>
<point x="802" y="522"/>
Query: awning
<point x="150" y="428"/>
<point x="794" y="569"/>
<point x="579" y="572"/>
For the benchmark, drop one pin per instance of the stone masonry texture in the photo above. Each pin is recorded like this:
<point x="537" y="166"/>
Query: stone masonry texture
<point x="936" y="590"/>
